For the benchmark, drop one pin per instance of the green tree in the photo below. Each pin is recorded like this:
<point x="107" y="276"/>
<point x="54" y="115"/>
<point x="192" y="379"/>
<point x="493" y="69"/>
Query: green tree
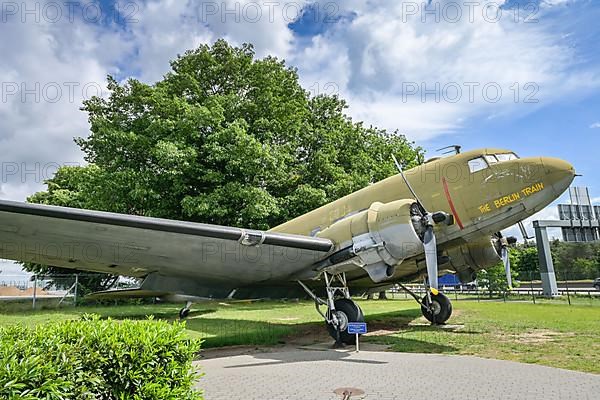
<point x="526" y="262"/>
<point x="576" y="260"/>
<point x="571" y="260"/>
<point x="494" y="278"/>
<point x="228" y="139"/>
<point x="223" y="138"/>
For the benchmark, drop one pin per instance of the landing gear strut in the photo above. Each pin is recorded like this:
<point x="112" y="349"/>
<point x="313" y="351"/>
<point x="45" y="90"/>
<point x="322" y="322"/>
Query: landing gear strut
<point x="435" y="306"/>
<point x="341" y="309"/>
<point x="185" y="311"/>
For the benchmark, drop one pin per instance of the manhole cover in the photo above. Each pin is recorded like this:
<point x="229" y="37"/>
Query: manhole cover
<point x="347" y="393"/>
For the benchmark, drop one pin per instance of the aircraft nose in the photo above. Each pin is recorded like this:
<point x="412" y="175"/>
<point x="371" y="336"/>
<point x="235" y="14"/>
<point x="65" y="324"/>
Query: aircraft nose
<point x="559" y="173"/>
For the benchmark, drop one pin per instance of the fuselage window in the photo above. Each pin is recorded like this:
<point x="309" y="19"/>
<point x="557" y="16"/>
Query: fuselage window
<point x="506" y="157"/>
<point x="477" y="164"/>
<point x="491" y="159"/>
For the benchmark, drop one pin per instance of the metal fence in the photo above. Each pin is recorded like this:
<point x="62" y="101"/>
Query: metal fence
<point x="527" y="288"/>
<point x="39" y="287"/>
<point x="67" y="289"/>
<point x="55" y="289"/>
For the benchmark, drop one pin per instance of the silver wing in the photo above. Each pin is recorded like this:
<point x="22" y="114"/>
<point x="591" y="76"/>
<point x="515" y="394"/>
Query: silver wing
<point x="176" y="256"/>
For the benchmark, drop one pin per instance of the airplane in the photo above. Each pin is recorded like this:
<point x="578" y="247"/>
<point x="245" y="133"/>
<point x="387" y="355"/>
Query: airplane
<point x="445" y="215"/>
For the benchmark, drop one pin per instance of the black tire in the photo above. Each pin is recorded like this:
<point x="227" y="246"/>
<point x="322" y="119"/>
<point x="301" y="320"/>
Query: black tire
<point x="348" y="311"/>
<point x="183" y="313"/>
<point x="442" y="307"/>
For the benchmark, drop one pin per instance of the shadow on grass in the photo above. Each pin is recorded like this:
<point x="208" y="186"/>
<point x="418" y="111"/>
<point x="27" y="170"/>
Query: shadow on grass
<point x="394" y="319"/>
<point x="219" y="332"/>
<point x="166" y="314"/>
<point x="403" y="326"/>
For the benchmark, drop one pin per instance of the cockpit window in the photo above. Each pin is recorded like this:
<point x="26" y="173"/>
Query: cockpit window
<point x="477" y="164"/>
<point x="491" y="159"/>
<point x="506" y="157"/>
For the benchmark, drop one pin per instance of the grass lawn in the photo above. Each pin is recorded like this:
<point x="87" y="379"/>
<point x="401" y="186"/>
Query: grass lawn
<point x="552" y="334"/>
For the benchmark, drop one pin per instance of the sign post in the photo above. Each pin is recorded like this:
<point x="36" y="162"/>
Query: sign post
<point x="357" y="328"/>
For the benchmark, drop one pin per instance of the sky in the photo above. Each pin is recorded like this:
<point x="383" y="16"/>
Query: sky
<point x="522" y="75"/>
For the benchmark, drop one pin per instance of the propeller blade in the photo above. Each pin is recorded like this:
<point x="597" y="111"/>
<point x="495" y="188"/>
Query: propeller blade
<point x="399" y="167"/>
<point x="506" y="261"/>
<point x="431" y="258"/>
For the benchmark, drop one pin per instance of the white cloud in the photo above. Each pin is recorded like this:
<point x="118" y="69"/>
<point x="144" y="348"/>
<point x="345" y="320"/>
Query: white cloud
<point x="595" y="125"/>
<point x="45" y="76"/>
<point x="372" y="60"/>
<point x="385" y="51"/>
<point x="553" y="3"/>
<point x="47" y="64"/>
<point x="10" y="272"/>
<point x="169" y="27"/>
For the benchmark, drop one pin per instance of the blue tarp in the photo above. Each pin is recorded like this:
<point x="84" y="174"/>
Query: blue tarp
<point x="449" y="280"/>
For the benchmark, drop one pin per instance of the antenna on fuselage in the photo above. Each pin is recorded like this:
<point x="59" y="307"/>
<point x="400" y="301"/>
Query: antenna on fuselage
<point x="454" y="148"/>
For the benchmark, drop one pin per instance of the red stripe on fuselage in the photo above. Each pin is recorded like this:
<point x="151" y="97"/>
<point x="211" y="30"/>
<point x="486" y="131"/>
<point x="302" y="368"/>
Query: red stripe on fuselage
<point x="451" y="204"/>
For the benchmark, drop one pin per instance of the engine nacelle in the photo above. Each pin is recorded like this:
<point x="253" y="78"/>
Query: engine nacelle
<point x="377" y="239"/>
<point x="466" y="260"/>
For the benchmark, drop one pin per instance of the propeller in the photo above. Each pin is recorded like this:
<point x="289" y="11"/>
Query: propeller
<point x="504" y="244"/>
<point x="429" y="243"/>
<point x="430" y="246"/>
<point x="506" y="261"/>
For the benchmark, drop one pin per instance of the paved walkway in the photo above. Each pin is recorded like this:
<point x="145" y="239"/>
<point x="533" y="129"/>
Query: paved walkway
<point x="314" y="374"/>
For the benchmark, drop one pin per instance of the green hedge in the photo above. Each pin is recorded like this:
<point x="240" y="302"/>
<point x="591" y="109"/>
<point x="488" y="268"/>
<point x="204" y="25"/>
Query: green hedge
<point x="97" y="359"/>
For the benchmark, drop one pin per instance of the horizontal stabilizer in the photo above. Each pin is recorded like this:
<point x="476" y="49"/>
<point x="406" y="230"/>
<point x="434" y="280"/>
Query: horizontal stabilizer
<point x="125" y="294"/>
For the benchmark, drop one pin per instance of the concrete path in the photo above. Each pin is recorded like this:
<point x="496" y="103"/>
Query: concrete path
<point x="314" y="374"/>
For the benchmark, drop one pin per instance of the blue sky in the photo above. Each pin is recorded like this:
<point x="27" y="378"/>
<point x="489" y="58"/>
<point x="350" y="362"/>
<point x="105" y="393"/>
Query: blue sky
<point x="389" y="60"/>
<point x="567" y="127"/>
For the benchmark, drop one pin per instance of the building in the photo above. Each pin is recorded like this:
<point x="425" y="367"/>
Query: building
<point x="579" y="212"/>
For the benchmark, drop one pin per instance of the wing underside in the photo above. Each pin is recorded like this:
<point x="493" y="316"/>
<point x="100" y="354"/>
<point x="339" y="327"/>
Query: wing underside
<point x="142" y="246"/>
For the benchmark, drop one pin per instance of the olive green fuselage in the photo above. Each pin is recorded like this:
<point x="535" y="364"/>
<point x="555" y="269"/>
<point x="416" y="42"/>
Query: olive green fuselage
<point x="483" y="192"/>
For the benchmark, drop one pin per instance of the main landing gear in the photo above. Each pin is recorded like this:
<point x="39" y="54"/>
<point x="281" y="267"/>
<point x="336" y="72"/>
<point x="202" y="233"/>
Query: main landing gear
<point x="341" y="310"/>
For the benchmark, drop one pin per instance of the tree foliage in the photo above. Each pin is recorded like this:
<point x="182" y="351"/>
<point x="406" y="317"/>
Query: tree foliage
<point x="223" y="138"/>
<point x="572" y="261"/>
<point x="494" y="279"/>
<point x="576" y="260"/>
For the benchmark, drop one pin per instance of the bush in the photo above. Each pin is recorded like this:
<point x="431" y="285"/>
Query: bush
<point x="97" y="359"/>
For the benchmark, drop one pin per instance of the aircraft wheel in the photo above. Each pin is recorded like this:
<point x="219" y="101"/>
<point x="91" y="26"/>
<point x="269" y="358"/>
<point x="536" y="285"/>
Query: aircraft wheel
<point x="442" y="309"/>
<point x="346" y="311"/>
<point x="183" y="313"/>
